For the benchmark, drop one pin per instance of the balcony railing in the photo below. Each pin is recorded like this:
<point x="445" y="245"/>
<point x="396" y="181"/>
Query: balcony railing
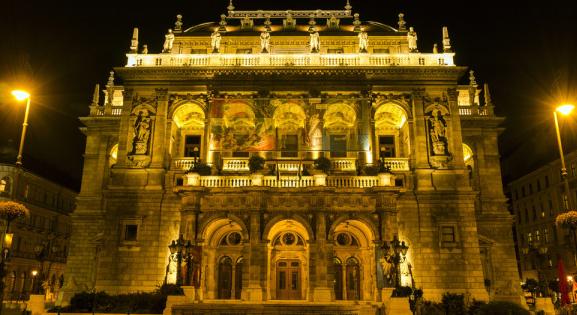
<point x="397" y="164"/>
<point x="183" y="164"/>
<point x="292" y="181"/>
<point x="476" y="110"/>
<point x="235" y="165"/>
<point x="289" y="60"/>
<point x="344" y="164"/>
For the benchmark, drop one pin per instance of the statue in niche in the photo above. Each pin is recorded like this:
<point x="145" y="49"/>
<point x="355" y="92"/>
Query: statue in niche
<point x="437" y="132"/>
<point x="412" y="39"/>
<point x="363" y="41"/>
<point x="168" y="41"/>
<point x="265" y="42"/>
<point x="315" y="39"/>
<point x="142" y="126"/>
<point x="215" y="39"/>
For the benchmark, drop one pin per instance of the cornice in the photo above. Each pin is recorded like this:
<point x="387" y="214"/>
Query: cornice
<point x="149" y="74"/>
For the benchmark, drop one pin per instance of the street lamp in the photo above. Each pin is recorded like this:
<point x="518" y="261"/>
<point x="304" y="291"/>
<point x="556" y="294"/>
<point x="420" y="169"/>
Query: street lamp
<point x="183" y="250"/>
<point x="395" y="254"/>
<point x="565" y="109"/>
<point x="20" y="96"/>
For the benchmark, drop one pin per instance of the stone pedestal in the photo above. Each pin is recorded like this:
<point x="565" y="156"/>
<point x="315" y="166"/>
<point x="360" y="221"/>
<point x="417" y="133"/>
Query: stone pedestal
<point x="256" y="179"/>
<point x="386" y="179"/>
<point x="320" y="179"/>
<point x="322" y="294"/>
<point x="254" y="294"/>
<point x="192" y="179"/>
<point x="36" y="304"/>
<point x="545" y="304"/>
<point x="172" y="300"/>
<point x="189" y="293"/>
<point x="398" y="306"/>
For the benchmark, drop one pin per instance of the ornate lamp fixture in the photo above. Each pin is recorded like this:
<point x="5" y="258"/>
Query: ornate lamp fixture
<point x="395" y="253"/>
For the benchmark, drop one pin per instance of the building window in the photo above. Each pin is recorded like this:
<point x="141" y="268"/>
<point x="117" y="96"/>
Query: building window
<point x="546" y="181"/>
<point x="538" y="185"/>
<point x="530" y="189"/>
<point x="529" y="238"/>
<point x="534" y="213"/>
<point x="192" y="146"/>
<point x="546" y="235"/>
<point x="387" y="146"/>
<point x="5" y="184"/>
<point x="565" y="202"/>
<point x="448" y="236"/>
<point x="551" y="212"/>
<point x="573" y="171"/>
<point x="526" y="215"/>
<point x="523" y="191"/>
<point x="130" y="232"/>
<point x="537" y="236"/>
<point x="290" y="146"/>
<point x="338" y="145"/>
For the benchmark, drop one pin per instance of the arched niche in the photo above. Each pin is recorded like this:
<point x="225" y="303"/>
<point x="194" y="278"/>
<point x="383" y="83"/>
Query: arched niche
<point x="217" y="229"/>
<point x="187" y="139"/>
<point x="189" y="115"/>
<point x="391" y="131"/>
<point x="469" y="159"/>
<point x="239" y="118"/>
<point x="340" y="116"/>
<point x="289" y="117"/>
<point x="113" y="155"/>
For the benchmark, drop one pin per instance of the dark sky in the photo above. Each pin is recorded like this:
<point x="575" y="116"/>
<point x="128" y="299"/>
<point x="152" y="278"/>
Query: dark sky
<point x="59" y="50"/>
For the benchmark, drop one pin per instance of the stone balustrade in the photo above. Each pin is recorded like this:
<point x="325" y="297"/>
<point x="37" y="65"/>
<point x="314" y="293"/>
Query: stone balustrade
<point x="292" y="181"/>
<point x="183" y="164"/>
<point x="344" y="164"/>
<point x="289" y="60"/>
<point x="235" y="164"/>
<point x="397" y="164"/>
<point x="475" y="111"/>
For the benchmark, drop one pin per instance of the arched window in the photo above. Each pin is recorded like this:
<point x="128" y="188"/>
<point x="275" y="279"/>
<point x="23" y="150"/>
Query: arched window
<point x="113" y="158"/>
<point x="353" y="279"/>
<point x="338" y="280"/>
<point x="225" y="278"/>
<point x="238" y="278"/>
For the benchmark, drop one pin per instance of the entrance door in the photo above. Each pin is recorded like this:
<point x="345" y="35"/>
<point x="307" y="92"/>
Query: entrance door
<point x="288" y="280"/>
<point x="338" y="284"/>
<point x="225" y="278"/>
<point x="353" y="280"/>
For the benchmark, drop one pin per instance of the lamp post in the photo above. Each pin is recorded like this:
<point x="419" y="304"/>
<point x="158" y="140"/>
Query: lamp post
<point x="565" y="110"/>
<point x="20" y="96"/>
<point x="395" y="253"/>
<point x="178" y="249"/>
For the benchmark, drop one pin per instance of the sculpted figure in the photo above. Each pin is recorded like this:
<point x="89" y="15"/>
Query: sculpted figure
<point x="363" y="41"/>
<point x="215" y="41"/>
<point x="315" y="39"/>
<point x="412" y="39"/>
<point x="141" y="133"/>
<point x="168" y="41"/>
<point x="265" y="42"/>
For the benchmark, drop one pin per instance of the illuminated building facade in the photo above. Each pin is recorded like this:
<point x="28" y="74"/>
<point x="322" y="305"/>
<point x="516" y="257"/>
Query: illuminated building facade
<point x="291" y="87"/>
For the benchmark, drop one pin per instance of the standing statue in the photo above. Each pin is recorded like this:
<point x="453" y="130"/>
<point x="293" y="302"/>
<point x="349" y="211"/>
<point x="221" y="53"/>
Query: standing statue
<point x="363" y="41"/>
<point x="265" y="42"/>
<point x="437" y="132"/>
<point x="168" y="41"/>
<point x="215" y="41"/>
<point x="142" y="126"/>
<point x="412" y="39"/>
<point x="315" y="40"/>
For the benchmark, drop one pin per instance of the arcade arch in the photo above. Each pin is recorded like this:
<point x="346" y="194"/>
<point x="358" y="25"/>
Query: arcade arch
<point x="187" y="131"/>
<point x="391" y="131"/>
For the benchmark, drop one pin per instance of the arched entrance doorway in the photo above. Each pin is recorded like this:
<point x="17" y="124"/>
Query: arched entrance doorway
<point x="225" y="278"/>
<point x="354" y="261"/>
<point x="288" y="256"/>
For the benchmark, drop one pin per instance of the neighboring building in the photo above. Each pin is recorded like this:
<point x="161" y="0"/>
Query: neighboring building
<point x="289" y="235"/>
<point x="537" y="199"/>
<point x="41" y="240"/>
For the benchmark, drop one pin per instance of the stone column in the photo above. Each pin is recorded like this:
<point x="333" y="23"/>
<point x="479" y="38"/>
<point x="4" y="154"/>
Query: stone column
<point x="257" y="262"/>
<point x="322" y="289"/>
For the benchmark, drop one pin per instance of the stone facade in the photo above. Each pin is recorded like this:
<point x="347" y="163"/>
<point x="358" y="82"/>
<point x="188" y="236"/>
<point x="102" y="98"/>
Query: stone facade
<point x="290" y="232"/>
<point x="537" y="199"/>
<point x="41" y="240"/>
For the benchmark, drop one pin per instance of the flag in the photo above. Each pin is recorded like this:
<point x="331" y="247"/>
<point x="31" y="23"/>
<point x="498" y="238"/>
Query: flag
<point x="563" y="286"/>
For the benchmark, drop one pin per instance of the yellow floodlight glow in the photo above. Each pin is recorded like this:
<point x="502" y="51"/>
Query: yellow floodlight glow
<point x="565" y="109"/>
<point x="20" y="95"/>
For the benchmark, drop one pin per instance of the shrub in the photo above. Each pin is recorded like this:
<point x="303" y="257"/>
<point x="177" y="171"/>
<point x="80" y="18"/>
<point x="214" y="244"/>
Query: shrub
<point x="454" y="304"/>
<point x="402" y="292"/>
<point x="567" y="219"/>
<point x="255" y="163"/>
<point x="502" y="308"/>
<point x="139" y="303"/>
<point x="169" y="289"/>
<point x="323" y="164"/>
<point x="201" y="168"/>
<point x="371" y="170"/>
<point x="431" y="308"/>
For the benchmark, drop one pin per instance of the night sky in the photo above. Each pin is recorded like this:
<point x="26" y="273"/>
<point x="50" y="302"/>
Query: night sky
<point x="58" y="50"/>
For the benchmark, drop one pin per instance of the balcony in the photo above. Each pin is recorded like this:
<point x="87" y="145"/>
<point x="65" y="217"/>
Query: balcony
<point x="289" y="60"/>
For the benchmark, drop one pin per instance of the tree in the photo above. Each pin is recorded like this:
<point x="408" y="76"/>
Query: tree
<point x="568" y="220"/>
